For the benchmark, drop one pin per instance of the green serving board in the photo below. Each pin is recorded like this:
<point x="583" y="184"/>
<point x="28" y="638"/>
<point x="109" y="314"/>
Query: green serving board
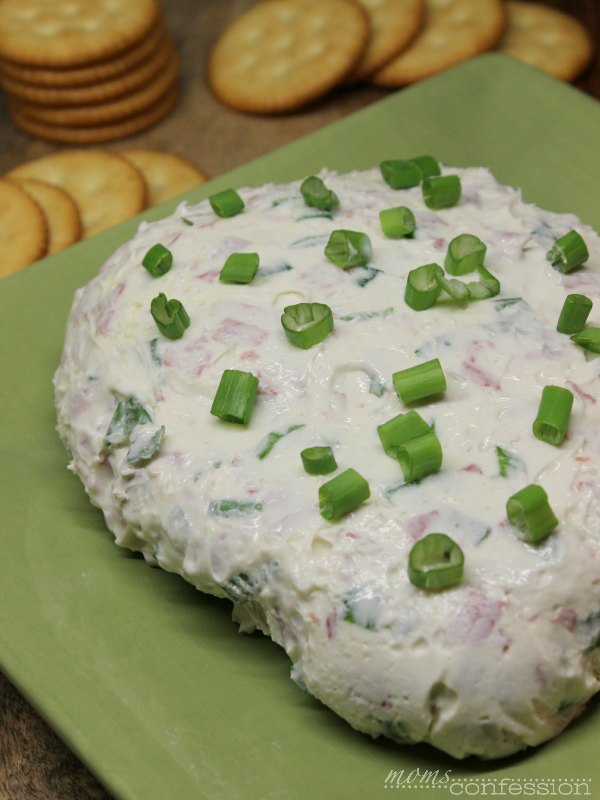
<point x="146" y="679"/>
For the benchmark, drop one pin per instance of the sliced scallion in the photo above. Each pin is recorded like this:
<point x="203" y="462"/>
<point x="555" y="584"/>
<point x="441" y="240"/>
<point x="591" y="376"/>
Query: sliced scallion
<point x="420" y="457"/>
<point x="235" y="396"/>
<point x="441" y="191"/>
<point x="428" y="166"/>
<point x="239" y="268"/>
<point x="400" y="429"/>
<point x="348" y="249"/>
<point x="342" y="494"/>
<point x="127" y="415"/>
<point x="401" y="173"/>
<point x="158" y="260"/>
<point x="145" y="447"/>
<point x="487" y="286"/>
<point x="456" y="289"/>
<point x="552" y="420"/>
<point x="588" y="338"/>
<point x="529" y="511"/>
<point x="398" y="222"/>
<point x="317" y="195"/>
<point x="422" y="286"/>
<point x="227" y="203"/>
<point x="271" y="439"/>
<point x="574" y="313"/>
<point x="170" y="316"/>
<point x="307" y="324"/>
<point x="568" y="252"/>
<point x="465" y="253"/>
<point x="420" y="382"/>
<point x="435" y="562"/>
<point x="318" y="460"/>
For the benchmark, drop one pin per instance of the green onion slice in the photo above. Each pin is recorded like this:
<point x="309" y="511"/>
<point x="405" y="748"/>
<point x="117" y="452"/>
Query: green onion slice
<point x="170" y="316"/>
<point x="271" y="439"/>
<point x="452" y="286"/>
<point x="574" y="313"/>
<point x="158" y="260"/>
<point x="422" y="286"/>
<point x="318" y="460"/>
<point x="401" y="174"/>
<point x="235" y="396"/>
<point x="420" y="457"/>
<point x="144" y="448"/>
<point x="317" y="195"/>
<point x="397" y="223"/>
<point x="529" y="511"/>
<point x="307" y="324"/>
<point x="128" y="414"/>
<point x="348" y="249"/>
<point x="441" y="191"/>
<point x="420" y="382"/>
<point x="552" y="420"/>
<point x="465" y="253"/>
<point x="342" y="494"/>
<point x="568" y="252"/>
<point x="239" y="268"/>
<point x="400" y="429"/>
<point x="588" y="338"/>
<point x="487" y="286"/>
<point x="227" y="203"/>
<point x="428" y="166"/>
<point x="435" y="562"/>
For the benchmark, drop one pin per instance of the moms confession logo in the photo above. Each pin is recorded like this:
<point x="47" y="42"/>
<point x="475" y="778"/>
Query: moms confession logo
<point x="488" y="787"/>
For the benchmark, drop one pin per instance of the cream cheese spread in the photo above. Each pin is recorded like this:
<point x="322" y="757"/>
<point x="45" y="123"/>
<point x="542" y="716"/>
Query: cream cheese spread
<point x="504" y="660"/>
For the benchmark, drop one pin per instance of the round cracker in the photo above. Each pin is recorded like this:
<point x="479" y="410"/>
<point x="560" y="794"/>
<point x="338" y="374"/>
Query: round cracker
<point x="281" y="54"/>
<point x="454" y="31"/>
<point x="61" y="212"/>
<point x="48" y="33"/>
<point x="394" y="24"/>
<point x="87" y="76"/>
<point x="23" y="233"/>
<point x="98" y="134"/>
<point x="99" y="92"/>
<point x="547" y="39"/>
<point x="106" y="187"/>
<point x="104" y="113"/>
<point x="166" y="174"/>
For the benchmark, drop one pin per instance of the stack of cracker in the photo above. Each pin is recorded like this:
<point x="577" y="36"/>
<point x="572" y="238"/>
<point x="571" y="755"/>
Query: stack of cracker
<point x="86" y="72"/>
<point x="51" y="202"/>
<point x="280" y="55"/>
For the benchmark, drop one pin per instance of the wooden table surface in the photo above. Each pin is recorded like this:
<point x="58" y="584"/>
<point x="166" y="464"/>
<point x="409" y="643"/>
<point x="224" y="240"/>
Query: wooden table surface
<point x="34" y="763"/>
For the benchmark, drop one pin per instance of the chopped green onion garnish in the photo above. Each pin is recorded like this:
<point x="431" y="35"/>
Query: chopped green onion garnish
<point x="170" y="316"/>
<point x="239" y="268"/>
<point x="529" y="511"/>
<point x="552" y="418"/>
<point x="401" y="174"/>
<point x="588" y="338"/>
<point x="128" y="414"/>
<point x="342" y="494"/>
<point x="158" y="260"/>
<point x="505" y="461"/>
<point x="307" y="324"/>
<point x="487" y="286"/>
<point x="235" y="396"/>
<point x="400" y="429"/>
<point x="144" y="448"/>
<point x="574" y="313"/>
<point x="435" y="562"/>
<point x="420" y="457"/>
<point x="427" y="165"/>
<point x="348" y="249"/>
<point x="317" y="195"/>
<point x="456" y="289"/>
<point x="465" y="253"/>
<point x="227" y="203"/>
<point x="226" y="508"/>
<point x="441" y="191"/>
<point x="419" y="382"/>
<point x="318" y="460"/>
<point x="271" y="439"/>
<point x="398" y="222"/>
<point x="568" y="252"/>
<point x="422" y="287"/>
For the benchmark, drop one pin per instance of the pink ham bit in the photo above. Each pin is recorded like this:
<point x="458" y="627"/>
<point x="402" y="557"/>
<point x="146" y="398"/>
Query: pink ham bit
<point x="580" y="393"/>
<point x="105" y="310"/>
<point x="472" y="468"/>
<point x="232" y="331"/>
<point x="331" y="624"/>
<point x="419" y="525"/>
<point x="476" y="619"/>
<point x="478" y="375"/>
<point x="567" y="617"/>
<point x="209" y="277"/>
